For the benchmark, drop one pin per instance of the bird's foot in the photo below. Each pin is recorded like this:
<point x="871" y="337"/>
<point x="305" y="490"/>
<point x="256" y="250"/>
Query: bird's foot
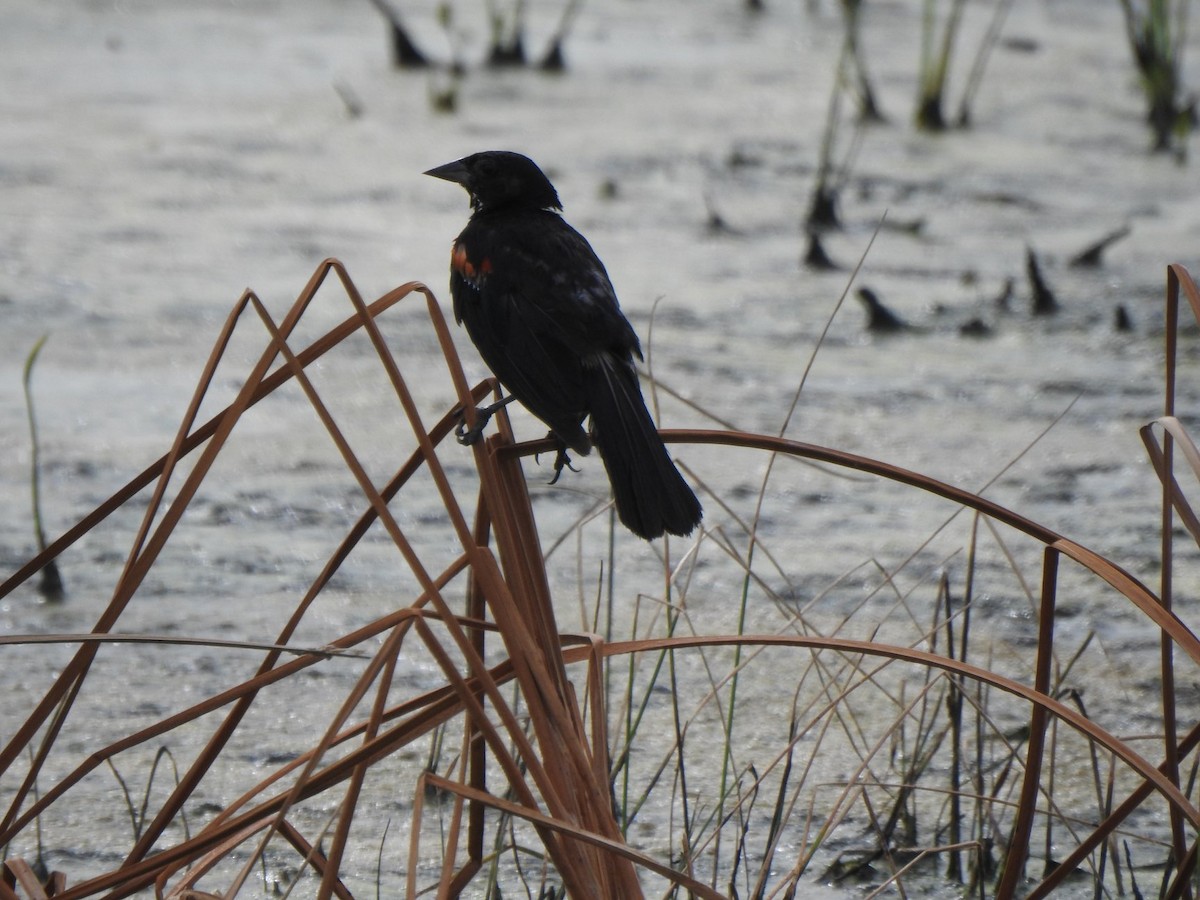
<point x="561" y="461"/>
<point x="483" y="414"/>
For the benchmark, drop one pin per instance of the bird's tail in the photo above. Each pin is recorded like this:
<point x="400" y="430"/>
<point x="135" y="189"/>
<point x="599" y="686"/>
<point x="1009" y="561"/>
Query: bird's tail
<point x="650" y="494"/>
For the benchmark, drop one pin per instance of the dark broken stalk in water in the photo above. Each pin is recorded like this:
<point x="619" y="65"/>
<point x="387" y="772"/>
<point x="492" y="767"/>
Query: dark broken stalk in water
<point x="51" y="584"/>
<point x="1157" y="32"/>
<point x="822" y="211"/>
<point x="975" y="77"/>
<point x="350" y="98"/>
<point x="554" y="61"/>
<point x="1001" y="301"/>
<point x="880" y="319"/>
<point x="868" y="108"/>
<point x="1092" y="255"/>
<point x="405" y="53"/>
<point x="935" y="69"/>
<point x="1122" y="320"/>
<point x="508" y="40"/>
<point x="443" y="87"/>
<point x="1044" y="301"/>
<point x="815" y="256"/>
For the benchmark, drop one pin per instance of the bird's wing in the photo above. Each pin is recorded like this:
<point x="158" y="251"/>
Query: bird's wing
<point x="540" y="308"/>
<point x="560" y="289"/>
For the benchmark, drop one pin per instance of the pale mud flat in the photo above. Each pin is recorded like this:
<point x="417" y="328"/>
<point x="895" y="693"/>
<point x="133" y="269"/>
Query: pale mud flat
<point x="158" y="158"/>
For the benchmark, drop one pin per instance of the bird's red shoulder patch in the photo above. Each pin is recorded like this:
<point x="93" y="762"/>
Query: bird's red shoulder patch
<point x="469" y="269"/>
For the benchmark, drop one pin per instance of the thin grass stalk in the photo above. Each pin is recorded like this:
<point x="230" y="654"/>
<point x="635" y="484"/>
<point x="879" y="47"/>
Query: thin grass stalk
<point x="925" y="749"/>
<point x="825" y="723"/>
<point x="310" y="855"/>
<point x="979" y="62"/>
<point x="672" y="614"/>
<point x="449" y="880"/>
<point x="954" y="701"/>
<point x="158" y="757"/>
<point x="784" y="804"/>
<point x="354" y="788"/>
<point x="1103" y="805"/>
<point x="1180" y="886"/>
<point x="742" y="818"/>
<point x="1110" y="845"/>
<point x="837" y="813"/>
<point x="1048" y="773"/>
<point x="633" y="724"/>
<point x="868" y="107"/>
<point x="934" y="71"/>
<point x="51" y="585"/>
<point x="1183" y="442"/>
<point x="619" y="757"/>
<point x="127" y="797"/>
<point x="704" y="827"/>
<point x="1018" y="847"/>
<point x="686" y="855"/>
<point x="476" y="748"/>
<point x="885" y="846"/>
<point x="598" y="712"/>
<point x="980" y="873"/>
<point x="1166" y="646"/>
<point x="780" y="813"/>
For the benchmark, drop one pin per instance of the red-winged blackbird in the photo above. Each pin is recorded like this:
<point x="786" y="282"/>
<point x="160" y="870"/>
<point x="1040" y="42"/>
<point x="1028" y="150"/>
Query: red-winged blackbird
<point x="540" y="308"/>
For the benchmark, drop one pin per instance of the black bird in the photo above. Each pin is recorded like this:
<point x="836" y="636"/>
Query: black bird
<point x="539" y="306"/>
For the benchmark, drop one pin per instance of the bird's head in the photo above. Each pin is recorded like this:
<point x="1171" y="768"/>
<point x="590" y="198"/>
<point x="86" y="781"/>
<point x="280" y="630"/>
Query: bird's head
<point x="500" y="178"/>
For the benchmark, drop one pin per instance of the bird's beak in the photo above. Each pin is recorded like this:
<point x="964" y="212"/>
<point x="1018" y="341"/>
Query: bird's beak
<point x="455" y="171"/>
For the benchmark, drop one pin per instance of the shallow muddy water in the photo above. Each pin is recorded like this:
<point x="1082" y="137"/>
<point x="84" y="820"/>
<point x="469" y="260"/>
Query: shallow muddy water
<point x="158" y="158"/>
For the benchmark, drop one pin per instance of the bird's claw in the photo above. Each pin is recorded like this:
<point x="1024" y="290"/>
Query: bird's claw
<point x="561" y="461"/>
<point x="468" y="436"/>
<point x="483" y="414"/>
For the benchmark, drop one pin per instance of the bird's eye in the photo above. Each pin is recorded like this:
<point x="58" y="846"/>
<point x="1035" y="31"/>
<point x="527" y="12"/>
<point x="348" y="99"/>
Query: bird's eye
<point x="486" y="167"/>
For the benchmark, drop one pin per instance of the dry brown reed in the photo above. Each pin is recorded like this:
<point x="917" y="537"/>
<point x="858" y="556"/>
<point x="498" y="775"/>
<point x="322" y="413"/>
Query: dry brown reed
<point x="682" y="759"/>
